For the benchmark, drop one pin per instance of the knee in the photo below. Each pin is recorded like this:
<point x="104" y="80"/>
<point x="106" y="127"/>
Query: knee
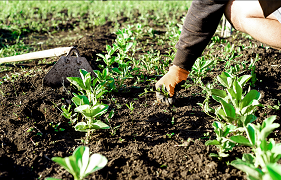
<point x="238" y="12"/>
<point x="235" y="15"/>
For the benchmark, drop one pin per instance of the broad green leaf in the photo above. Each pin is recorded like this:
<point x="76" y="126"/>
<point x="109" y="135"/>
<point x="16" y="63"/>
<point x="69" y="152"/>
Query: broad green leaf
<point x="220" y="113"/>
<point x="61" y="162"/>
<point x="213" y="155"/>
<point x="228" y="109"/>
<point x="218" y="92"/>
<point x="111" y="114"/>
<point x="212" y="142"/>
<point x="50" y="178"/>
<point x="229" y="145"/>
<point x="223" y="79"/>
<point x="84" y="160"/>
<point x="81" y="126"/>
<point x="263" y="145"/>
<point x="249" y="119"/>
<point x="98" y="74"/>
<point x="267" y="130"/>
<point x="83" y="73"/>
<point x="216" y="98"/>
<point x="250" y="108"/>
<point x="217" y="128"/>
<point x="92" y="111"/>
<point x="244" y="79"/>
<point x="250" y="130"/>
<point x="247" y="168"/>
<point x="207" y="64"/>
<point x="221" y="154"/>
<point x="238" y="90"/>
<point x="94" y="82"/>
<point x="99" y="109"/>
<point x="268" y="121"/>
<point x="229" y="82"/>
<point x="86" y="78"/>
<point x="78" y="82"/>
<point x="249" y="158"/>
<point x="233" y="97"/>
<point x="73" y="167"/>
<point x="99" y="125"/>
<point x="229" y="128"/>
<point x="117" y="70"/>
<point x="79" y="100"/>
<point x="101" y="55"/>
<point x="276" y="149"/>
<point x="240" y="140"/>
<point x="97" y="162"/>
<point x="85" y="110"/>
<point x="248" y="99"/>
<point x="274" y="171"/>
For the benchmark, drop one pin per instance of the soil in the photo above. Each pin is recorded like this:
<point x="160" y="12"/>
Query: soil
<point x="141" y="147"/>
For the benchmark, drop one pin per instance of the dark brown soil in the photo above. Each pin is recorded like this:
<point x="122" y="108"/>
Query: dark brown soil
<point x="141" y="148"/>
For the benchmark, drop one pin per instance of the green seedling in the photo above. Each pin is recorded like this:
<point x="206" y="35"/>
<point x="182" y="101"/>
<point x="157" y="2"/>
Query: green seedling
<point x="252" y="67"/>
<point x="92" y="90"/>
<point x="131" y="107"/>
<point x="108" y="121"/>
<point x="221" y="142"/>
<point x="80" y="165"/>
<point x="200" y="69"/>
<point x="35" y="131"/>
<point x="163" y="91"/>
<point x="235" y="108"/>
<point x="91" y="113"/>
<point x="105" y="78"/>
<point x="108" y="59"/>
<point x="56" y="127"/>
<point x="67" y="113"/>
<point x="148" y="91"/>
<point x="123" y="72"/>
<point x="275" y="107"/>
<point x="87" y="104"/>
<point x="266" y="152"/>
<point x="205" y="135"/>
<point x="170" y="135"/>
<point x="173" y="120"/>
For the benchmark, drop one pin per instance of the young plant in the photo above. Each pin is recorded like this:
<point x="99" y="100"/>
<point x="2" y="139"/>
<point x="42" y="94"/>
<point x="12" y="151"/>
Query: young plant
<point x="108" y="59"/>
<point x="56" y="127"/>
<point x="105" y="78"/>
<point x="67" y="113"/>
<point x="131" y="107"/>
<point x="87" y="103"/>
<point x="235" y="107"/>
<point x="91" y="90"/>
<point x="108" y="121"/>
<point x="200" y="69"/>
<point x="123" y="72"/>
<point x="222" y="142"/>
<point x="80" y="165"/>
<point x="266" y="152"/>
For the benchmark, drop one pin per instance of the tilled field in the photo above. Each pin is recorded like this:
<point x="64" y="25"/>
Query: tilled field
<point x="147" y="145"/>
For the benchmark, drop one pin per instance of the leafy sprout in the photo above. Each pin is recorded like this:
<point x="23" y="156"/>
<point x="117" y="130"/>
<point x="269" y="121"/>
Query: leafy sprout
<point x="80" y="165"/>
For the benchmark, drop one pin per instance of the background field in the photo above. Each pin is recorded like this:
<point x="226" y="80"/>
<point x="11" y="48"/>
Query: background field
<point x="152" y="141"/>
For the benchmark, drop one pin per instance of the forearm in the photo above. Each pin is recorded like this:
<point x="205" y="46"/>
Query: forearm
<point x="199" y="26"/>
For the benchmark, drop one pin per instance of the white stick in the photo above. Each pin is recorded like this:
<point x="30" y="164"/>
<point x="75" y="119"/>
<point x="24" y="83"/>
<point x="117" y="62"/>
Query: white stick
<point x="37" y="55"/>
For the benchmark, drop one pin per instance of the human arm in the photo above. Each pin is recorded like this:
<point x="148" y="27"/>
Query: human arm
<point x="199" y="26"/>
